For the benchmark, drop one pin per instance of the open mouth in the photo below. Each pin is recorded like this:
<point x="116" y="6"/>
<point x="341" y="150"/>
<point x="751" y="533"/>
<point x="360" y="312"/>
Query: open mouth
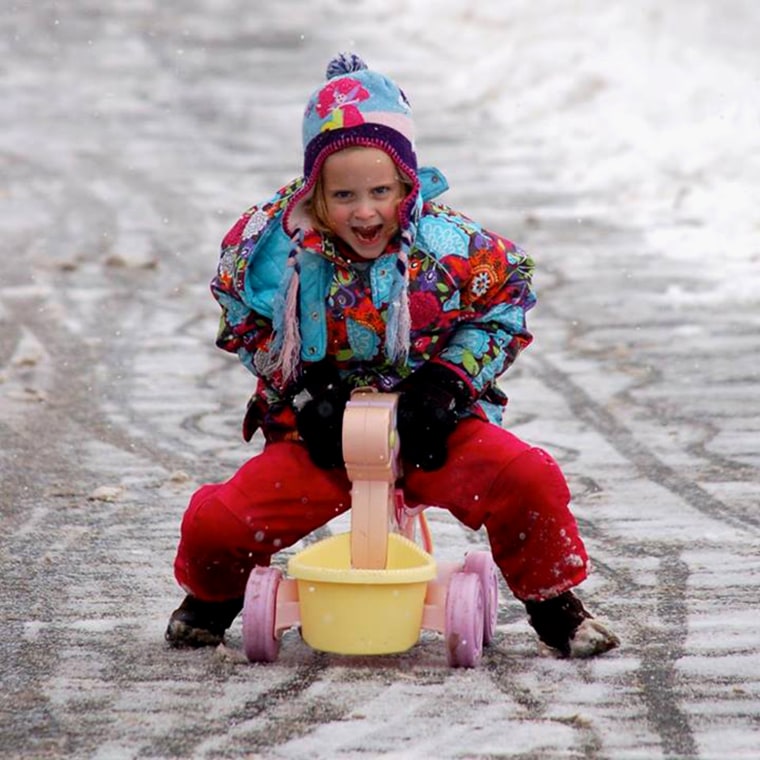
<point x="368" y="235"/>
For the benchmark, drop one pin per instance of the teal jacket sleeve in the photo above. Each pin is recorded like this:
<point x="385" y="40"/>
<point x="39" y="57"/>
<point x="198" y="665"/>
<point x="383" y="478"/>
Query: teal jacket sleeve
<point x="493" y="328"/>
<point x="253" y="258"/>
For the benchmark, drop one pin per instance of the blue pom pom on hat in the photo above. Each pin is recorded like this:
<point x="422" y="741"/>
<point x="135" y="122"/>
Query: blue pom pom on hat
<point x="344" y="63"/>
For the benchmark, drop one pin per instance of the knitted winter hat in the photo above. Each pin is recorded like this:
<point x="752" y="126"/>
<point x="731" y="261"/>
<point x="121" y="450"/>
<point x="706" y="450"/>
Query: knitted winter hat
<point x="356" y="107"/>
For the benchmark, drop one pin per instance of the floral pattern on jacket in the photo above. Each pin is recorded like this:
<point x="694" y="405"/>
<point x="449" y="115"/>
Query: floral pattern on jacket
<point x="469" y="291"/>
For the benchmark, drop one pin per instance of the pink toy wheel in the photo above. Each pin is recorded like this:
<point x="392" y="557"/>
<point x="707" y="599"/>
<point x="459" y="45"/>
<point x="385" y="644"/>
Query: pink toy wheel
<point x="463" y="625"/>
<point x="259" y="609"/>
<point x="481" y="564"/>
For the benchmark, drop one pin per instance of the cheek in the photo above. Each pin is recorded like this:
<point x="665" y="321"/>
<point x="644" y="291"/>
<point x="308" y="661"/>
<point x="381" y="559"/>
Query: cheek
<point x="391" y="213"/>
<point x="334" y="214"/>
<point x="339" y="217"/>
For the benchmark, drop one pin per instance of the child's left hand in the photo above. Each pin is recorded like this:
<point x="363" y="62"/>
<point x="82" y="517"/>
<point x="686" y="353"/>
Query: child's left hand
<point x="428" y="411"/>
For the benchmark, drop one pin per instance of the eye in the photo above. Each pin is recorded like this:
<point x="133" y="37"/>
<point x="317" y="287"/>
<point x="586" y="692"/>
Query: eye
<point x="381" y="190"/>
<point x="341" y="195"/>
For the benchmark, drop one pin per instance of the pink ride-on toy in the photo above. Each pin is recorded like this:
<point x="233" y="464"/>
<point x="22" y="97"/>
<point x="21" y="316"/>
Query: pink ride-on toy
<point x="371" y="590"/>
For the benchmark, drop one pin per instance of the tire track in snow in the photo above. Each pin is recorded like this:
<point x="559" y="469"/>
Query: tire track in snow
<point x="50" y="524"/>
<point x="661" y="646"/>
<point x="626" y="443"/>
<point x="255" y="725"/>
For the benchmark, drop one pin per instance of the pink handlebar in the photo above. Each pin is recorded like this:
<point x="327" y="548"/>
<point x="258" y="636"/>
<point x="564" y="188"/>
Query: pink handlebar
<point x="370" y="451"/>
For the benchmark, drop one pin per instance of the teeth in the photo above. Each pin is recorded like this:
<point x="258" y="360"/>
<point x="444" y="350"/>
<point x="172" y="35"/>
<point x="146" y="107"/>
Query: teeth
<point x="367" y="234"/>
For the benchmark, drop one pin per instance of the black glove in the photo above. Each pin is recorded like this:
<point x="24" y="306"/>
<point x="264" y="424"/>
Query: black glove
<point x="252" y="419"/>
<point x="320" y="419"/>
<point x="428" y="411"/>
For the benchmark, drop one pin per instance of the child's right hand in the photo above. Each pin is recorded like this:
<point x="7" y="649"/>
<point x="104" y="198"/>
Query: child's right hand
<point x="320" y="419"/>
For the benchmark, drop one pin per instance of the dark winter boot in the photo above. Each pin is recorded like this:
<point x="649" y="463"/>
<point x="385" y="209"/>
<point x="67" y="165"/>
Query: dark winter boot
<point x="201" y="624"/>
<point x="565" y="625"/>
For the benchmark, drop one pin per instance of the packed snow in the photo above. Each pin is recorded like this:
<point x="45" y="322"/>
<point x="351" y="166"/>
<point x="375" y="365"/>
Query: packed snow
<point x="618" y="142"/>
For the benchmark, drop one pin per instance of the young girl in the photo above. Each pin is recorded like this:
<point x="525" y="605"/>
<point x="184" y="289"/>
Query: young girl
<point x="353" y="276"/>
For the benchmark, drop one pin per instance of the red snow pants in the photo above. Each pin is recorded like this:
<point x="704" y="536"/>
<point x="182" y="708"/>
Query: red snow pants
<point x="491" y="478"/>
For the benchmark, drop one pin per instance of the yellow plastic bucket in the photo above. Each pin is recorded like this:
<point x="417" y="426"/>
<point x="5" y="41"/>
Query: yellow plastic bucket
<point x="360" y="611"/>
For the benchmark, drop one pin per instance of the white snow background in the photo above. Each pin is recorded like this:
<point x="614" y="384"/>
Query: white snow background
<point x="618" y="142"/>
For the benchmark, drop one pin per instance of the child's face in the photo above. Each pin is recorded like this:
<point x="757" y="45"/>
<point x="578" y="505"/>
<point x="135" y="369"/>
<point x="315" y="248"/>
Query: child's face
<point x="362" y="191"/>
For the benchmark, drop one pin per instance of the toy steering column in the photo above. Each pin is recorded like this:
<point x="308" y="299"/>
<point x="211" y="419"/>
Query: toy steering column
<point x="370" y="451"/>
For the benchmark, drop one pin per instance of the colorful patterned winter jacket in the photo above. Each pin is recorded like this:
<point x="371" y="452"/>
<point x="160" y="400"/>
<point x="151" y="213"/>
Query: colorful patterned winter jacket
<point x="469" y="290"/>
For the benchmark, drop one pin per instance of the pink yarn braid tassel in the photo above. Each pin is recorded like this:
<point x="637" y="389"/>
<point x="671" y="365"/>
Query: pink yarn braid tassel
<point x="290" y="351"/>
<point x="399" y="321"/>
<point x="400" y="347"/>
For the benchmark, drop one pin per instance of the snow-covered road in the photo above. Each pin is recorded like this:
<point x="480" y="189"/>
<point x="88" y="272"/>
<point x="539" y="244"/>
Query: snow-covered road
<point x="618" y="142"/>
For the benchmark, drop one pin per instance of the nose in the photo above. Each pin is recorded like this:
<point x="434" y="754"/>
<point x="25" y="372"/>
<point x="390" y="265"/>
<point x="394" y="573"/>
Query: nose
<point x="364" y="209"/>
